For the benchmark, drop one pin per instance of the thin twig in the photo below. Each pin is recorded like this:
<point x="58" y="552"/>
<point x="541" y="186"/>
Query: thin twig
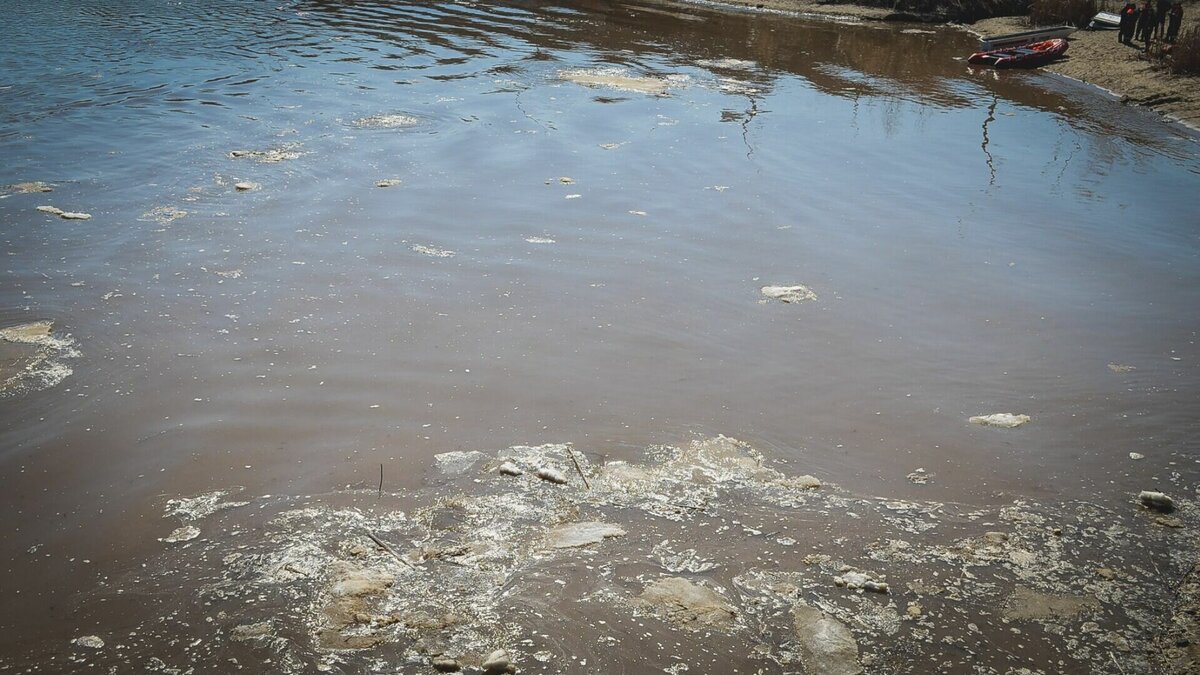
<point x="1116" y="662"/>
<point x="1184" y="578"/>
<point x="1157" y="572"/>
<point x="579" y="470"/>
<point x="292" y="568"/>
<point x="389" y="549"/>
<point x="381" y="480"/>
<point x="685" y="506"/>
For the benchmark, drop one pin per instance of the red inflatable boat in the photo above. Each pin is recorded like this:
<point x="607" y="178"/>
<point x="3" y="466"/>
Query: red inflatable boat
<point x="1027" y="56"/>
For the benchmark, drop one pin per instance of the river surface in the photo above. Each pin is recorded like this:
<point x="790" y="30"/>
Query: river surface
<point x="588" y="198"/>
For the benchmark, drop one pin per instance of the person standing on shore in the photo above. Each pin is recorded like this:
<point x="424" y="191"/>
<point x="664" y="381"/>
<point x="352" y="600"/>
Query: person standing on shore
<point x="1174" y="18"/>
<point x="1146" y="23"/>
<point x="1160" y="13"/>
<point x="1129" y="17"/>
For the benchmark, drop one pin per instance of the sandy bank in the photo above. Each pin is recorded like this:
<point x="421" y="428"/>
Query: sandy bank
<point x="1094" y="57"/>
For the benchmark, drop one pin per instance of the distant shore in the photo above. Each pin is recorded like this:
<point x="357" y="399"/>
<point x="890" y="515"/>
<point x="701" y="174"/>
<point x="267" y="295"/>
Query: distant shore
<point x="1094" y="57"/>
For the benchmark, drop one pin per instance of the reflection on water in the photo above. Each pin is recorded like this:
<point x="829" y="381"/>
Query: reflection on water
<point x="609" y="241"/>
<point x="991" y="162"/>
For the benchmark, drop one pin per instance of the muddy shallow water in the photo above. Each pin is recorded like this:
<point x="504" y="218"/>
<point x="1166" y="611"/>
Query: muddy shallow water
<point x="581" y="206"/>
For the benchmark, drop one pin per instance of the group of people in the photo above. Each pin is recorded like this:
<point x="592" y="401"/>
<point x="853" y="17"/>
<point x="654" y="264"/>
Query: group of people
<point x="1151" y="20"/>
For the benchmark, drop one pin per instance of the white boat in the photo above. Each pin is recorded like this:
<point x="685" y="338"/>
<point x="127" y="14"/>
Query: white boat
<point x="1105" y="21"/>
<point x="994" y="42"/>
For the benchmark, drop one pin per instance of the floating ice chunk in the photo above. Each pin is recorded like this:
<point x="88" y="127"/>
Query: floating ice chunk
<point x="920" y="477"/>
<point x="163" y="215"/>
<point x="572" y="535"/>
<point x="618" y="78"/>
<point x="826" y="645"/>
<point x="389" y="121"/>
<point x="200" y="506"/>
<point x="1157" y="501"/>
<point x="789" y="293"/>
<point x="805" y="482"/>
<point x="36" y="364"/>
<point x="458" y="461"/>
<point x="27" y="188"/>
<point x="551" y="475"/>
<point x="185" y="533"/>
<point x="681" y="561"/>
<point x="269" y="156"/>
<point x="497" y="662"/>
<point x="432" y="251"/>
<point x="33" y="333"/>
<point x="686" y="604"/>
<point x="728" y="64"/>
<point x="510" y="469"/>
<point x="1001" y="420"/>
<point x="89" y="641"/>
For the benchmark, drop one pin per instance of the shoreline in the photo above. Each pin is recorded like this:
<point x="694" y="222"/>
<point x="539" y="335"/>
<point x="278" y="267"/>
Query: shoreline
<point x="1092" y="59"/>
<point x="1095" y="59"/>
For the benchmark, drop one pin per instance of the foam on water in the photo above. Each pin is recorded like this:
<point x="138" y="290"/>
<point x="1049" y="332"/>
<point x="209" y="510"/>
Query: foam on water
<point x="388" y="121"/>
<point x="41" y="365"/>
<point x="623" y="79"/>
<point x="492" y="561"/>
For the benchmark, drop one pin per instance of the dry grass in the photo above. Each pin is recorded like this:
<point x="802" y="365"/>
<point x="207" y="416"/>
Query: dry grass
<point x="1185" y="53"/>
<point x="1055" y="12"/>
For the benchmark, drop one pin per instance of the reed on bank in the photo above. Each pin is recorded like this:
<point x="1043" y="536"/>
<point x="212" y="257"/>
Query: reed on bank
<point x="1184" y="55"/>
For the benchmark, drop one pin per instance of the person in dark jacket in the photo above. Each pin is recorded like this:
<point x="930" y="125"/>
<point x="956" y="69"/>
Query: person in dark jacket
<point x="1146" y="23"/>
<point x="1160" y="12"/>
<point x="1129" y="17"/>
<point x="1174" y="18"/>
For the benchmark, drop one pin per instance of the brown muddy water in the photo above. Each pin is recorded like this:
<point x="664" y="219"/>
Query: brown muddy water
<point x="329" y="236"/>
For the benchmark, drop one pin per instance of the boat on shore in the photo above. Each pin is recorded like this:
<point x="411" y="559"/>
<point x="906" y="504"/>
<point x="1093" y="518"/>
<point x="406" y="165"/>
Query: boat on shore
<point x="1105" y="21"/>
<point x="1025" y="37"/>
<point x="1027" y="56"/>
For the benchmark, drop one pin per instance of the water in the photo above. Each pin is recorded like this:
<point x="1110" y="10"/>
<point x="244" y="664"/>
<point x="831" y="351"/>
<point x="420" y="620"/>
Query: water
<point x="978" y="242"/>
